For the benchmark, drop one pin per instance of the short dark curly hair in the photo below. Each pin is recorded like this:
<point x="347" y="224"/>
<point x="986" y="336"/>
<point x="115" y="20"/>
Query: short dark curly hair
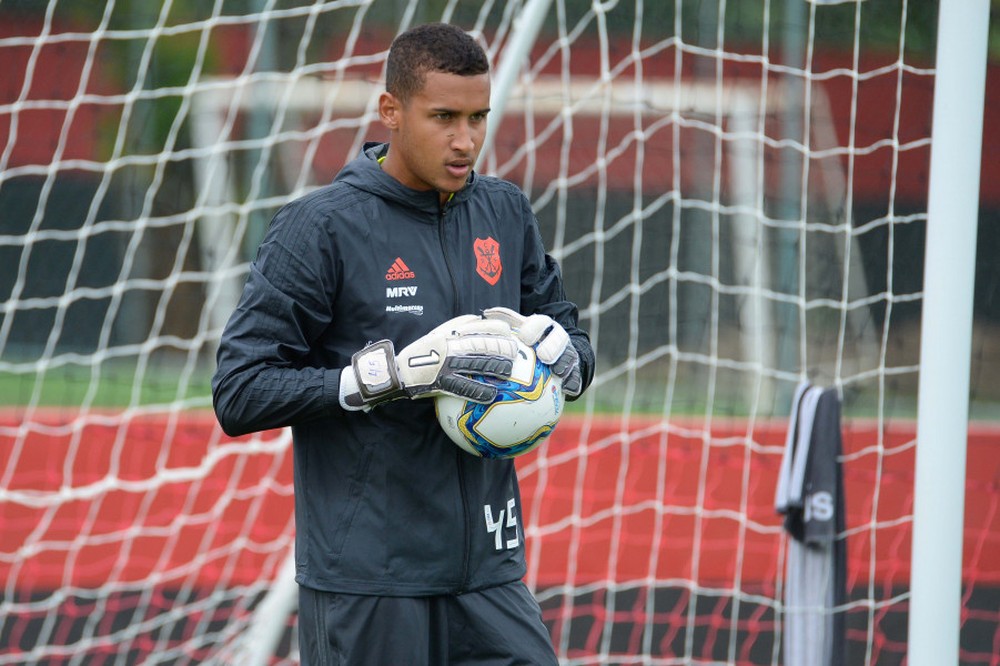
<point x="431" y="47"/>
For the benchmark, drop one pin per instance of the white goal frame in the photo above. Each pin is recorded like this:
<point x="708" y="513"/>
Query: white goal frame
<point x="946" y="333"/>
<point x="952" y="218"/>
<point x="242" y="122"/>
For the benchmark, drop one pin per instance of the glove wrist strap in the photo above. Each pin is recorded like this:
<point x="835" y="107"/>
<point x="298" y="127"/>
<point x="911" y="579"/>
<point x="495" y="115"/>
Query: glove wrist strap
<point x="375" y="371"/>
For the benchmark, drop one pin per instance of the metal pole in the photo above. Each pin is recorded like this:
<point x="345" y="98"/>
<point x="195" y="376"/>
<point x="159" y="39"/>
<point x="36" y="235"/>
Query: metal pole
<point x="514" y="55"/>
<point x="270" y="619"/>
<point x="946" y="333"/>
<point x="789" y="242"/>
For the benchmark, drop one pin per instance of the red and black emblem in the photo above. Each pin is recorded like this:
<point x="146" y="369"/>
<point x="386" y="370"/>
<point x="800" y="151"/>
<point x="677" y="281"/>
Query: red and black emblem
<point x="488" y="263"/>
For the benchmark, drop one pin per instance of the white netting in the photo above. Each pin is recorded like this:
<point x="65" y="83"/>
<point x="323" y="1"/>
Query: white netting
<point x="736" y="192"/>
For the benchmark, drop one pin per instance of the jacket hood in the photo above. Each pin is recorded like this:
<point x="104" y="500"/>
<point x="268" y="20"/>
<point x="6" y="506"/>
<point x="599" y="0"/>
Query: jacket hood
<point x="365" y="173"/>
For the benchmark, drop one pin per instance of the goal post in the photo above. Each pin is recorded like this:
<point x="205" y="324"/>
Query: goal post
<point x="946" y="334"/>
<point x="144" y="146"/>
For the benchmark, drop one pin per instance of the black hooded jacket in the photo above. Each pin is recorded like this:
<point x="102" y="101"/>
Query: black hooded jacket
<point x="385" y="504"/>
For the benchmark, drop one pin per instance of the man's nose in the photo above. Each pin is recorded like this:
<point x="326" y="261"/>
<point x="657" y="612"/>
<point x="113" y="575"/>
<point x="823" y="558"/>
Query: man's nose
<point x="462" y="140"/>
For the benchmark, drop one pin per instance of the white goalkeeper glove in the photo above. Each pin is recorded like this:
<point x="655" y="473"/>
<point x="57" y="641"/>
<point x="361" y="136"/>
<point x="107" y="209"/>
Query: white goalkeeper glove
<point x="550" y="341"/>
<point x="441" y="361"/>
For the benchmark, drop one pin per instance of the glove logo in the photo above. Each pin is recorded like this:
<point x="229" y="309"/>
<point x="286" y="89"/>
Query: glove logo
<point x="488" y="263"/>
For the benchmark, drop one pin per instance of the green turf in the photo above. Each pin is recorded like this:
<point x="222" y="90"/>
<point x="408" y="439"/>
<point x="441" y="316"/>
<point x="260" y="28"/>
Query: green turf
<point x="117" y="384"/>
<point x="111" y="385"/>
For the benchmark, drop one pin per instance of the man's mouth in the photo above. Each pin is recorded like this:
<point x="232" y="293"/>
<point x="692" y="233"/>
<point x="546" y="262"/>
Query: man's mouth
<point x="458" y="169"/>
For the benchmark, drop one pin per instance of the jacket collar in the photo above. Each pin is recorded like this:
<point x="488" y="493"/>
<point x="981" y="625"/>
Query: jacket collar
<point x="365" y="173"/>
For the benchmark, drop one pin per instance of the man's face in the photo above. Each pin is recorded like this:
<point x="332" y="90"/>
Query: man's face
<point x="438" y="133"/>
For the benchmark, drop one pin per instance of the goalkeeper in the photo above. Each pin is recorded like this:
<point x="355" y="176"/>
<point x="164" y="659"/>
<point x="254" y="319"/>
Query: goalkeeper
<point x="407" y="277"/>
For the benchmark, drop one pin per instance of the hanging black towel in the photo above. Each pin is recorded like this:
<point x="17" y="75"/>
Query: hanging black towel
<point x="810" y="495"/>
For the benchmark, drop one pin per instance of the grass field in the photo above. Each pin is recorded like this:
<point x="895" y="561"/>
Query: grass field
<point x="123" y="383"/>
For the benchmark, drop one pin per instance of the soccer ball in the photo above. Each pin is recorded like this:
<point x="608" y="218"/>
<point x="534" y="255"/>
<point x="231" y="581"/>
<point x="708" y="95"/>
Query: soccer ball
<point x="521" y="417"/>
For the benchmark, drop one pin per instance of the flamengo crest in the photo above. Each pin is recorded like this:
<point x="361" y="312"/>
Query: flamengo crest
<point x="488" y="259"/>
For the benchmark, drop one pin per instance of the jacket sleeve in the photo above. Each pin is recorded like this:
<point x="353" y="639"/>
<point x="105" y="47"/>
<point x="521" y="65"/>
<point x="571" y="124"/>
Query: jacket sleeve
<point x="542" y="292"/>
<point x="263" y="378"/>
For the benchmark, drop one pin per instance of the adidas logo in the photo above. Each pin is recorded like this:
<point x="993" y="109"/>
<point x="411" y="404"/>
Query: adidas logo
<point x="399" y="271"/>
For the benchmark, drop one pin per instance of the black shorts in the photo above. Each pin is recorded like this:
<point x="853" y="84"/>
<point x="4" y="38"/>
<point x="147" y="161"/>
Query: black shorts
<point x="500" y="626"/>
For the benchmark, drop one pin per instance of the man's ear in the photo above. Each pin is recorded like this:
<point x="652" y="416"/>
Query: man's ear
<point x="388" y="110"/>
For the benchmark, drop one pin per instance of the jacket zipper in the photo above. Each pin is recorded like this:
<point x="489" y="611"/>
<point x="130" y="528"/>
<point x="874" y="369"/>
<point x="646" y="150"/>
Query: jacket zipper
<point x="442" y="211"/>
<point x="467" y="548"/>
<point x="459" y="460"/>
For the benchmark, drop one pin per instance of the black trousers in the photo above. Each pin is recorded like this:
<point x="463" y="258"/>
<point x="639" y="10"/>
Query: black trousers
<point x="500" y="626"/>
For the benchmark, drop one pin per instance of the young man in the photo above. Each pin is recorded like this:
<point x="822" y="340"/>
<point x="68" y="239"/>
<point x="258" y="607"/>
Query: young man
<point x="406" y="277"/>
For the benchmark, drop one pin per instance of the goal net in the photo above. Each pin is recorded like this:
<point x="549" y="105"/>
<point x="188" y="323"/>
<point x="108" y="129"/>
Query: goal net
<point x="737" y="194"/>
